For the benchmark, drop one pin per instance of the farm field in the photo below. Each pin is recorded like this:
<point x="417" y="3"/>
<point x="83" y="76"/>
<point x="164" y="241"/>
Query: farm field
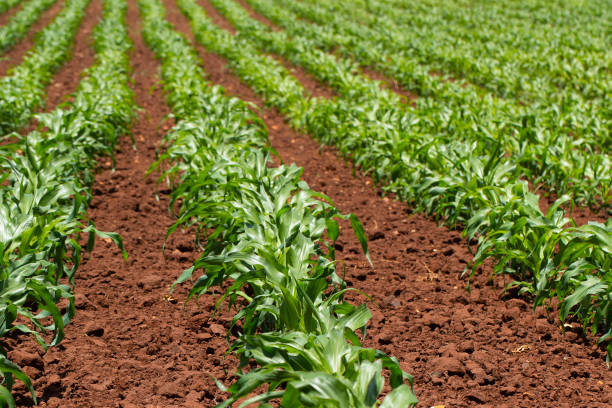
<point x="305" y="203"/>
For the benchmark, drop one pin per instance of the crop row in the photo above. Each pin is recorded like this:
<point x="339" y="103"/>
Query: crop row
<point x="45" y="191"/>
<point x="558" y="147"/>
<point x="18" y="25"/>
<point x="464" y="183"/>
<point x="23" y="89"/>
<point x="482" y="47"/>
<point x="7" y="4"/>
<point x="261" y="229"/>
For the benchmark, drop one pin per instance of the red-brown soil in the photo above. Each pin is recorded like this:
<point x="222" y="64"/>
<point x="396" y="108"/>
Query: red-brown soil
<point x="315" y="87"/>
<point x="131" y="346"/>
<point x="14" y="56"/>
<point x="409" y="97"/>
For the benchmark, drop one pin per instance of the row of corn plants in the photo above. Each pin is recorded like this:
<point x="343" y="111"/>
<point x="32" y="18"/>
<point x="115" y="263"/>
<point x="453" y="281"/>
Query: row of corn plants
<point x="463" y="183"/>
<point x="261" y="231"/>
<point x="561" y="147"/>
<point x="342" y="75"/>
<point x="504" y="56"/>
<point x="5" y="5"/>
<point x="45" y="191"/>
<point x="19" y="24"/>
<point x="22" y="91"/>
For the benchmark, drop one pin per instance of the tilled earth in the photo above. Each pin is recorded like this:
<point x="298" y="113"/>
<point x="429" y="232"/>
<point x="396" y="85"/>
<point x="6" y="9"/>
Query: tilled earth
<point x="133" y="345"/>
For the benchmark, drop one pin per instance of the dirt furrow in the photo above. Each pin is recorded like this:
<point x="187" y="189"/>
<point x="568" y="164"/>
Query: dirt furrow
<point x="15" y="55"/>
<point x="392" y="84"/>
<point x="464" y="348"/>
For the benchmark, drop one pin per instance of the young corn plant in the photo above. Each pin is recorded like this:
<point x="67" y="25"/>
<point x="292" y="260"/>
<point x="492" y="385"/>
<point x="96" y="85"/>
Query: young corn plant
<point x="506" y="54"/>
<point x="308" y="370"/>
<point x="550" y="260"/>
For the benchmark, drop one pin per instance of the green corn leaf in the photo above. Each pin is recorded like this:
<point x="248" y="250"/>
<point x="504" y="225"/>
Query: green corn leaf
<point x="401" y="396"/>
<point x="6" y="399"/>
<point x="360" y="234"/>
<point x="7" y="367"/>
<point x="591" y="286"/>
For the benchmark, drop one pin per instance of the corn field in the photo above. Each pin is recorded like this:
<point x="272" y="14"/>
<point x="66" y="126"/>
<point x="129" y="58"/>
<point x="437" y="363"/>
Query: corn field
<point x="368" y="203"/>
